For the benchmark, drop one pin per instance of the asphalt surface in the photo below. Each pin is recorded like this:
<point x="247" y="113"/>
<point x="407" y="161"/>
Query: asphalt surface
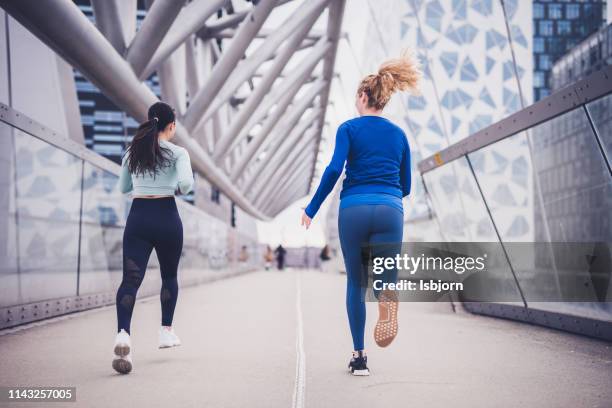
<point x="280" y="339"/>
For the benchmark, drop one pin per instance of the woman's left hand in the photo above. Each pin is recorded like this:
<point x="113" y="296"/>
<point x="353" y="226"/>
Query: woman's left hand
<point x="306" y="220"/>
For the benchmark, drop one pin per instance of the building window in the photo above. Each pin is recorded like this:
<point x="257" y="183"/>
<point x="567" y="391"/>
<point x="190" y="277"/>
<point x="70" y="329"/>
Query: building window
<point x="572" y="11"/>
<point x="554" y="11"/>
<point x="538" y="11"/>
<point x="546" y="28"/>
<point x="538" y="45"/>
<point x="539" y="79"/>
<point x="215" y="194"/>
<point x="544" y="62"/>
<point x="564" y="27"/>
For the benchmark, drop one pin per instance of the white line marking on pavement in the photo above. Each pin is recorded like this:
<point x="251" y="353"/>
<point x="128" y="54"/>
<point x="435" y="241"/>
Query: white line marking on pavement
<point x="299" y="390"/>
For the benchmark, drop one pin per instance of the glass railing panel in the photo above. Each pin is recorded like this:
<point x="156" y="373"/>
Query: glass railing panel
<point x="576" y="189"/>
<point x="601" y="115"/>
<point x="505" y="175"/>
<point x="205" y="240"/>
<point x="574" y="180"/>
<point x="47" y="205"/>
<point x="104" y="215"/>
<point x="10" y="287"/>
<point x="555" y="188"/>
<point x="463" y="217"/>
<point x="461" y="213"/>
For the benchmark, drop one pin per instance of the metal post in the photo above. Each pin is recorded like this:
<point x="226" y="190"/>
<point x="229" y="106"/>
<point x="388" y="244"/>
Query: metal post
<point x="285" y="145"/>
<point x="484" y="200"/>
<point x="255" y="189"/>
<point x="103" y="66"/>
<point x="108" y="20"/>
<point x="191" y="18"/>
<point x="280" y="189"/>
<point x="254" y="109"/>
<point x="231" y="20"/>
<point x="303" y="16"/>
<point x="228" y="61"/>
<point x="151" y="33"/>
<point x="297" y="110"/>
<point x="334" y="24"/>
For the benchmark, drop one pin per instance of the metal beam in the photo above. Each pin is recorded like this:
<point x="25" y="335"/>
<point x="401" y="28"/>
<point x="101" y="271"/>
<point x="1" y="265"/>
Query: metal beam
<point x="334" y="24"/>
<point x="283" y="148"/>
<point x="569" y="98"/>
<point x="297" y="110"/>
<point x="173" y="81"/>
<point x="227" y="21"/>
<point x="291" y="195"/>
<point x="266" y="128"/>
<point x="254" y="110"/>
<point x="304" y="16"/>
<point x="300" y="190"/>
<point x="191" y="18"/>
<point x="95" y="57"/>
<point x="264" y="33"/>
<point x="271" y="174"/>
<point x="293" y="172"/>
<point x="194" y="69"/>
<point x="280" y="190"/>
<point x="128" y="10"/>
<point x="228" y="61"/>
<point x="108" y="20"/>
<point x="273" y="184"/>
<point x="156" y="24"/>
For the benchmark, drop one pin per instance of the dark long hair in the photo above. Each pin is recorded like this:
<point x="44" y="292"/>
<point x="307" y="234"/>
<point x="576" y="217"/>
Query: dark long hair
<point x="144" y="154"/>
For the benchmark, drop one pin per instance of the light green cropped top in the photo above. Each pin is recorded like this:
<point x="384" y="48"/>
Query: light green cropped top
<point x="178" y="176"/>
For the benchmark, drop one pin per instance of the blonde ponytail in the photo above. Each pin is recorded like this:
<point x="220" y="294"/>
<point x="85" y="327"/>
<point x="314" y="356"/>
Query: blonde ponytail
<point x="399" y="74"/>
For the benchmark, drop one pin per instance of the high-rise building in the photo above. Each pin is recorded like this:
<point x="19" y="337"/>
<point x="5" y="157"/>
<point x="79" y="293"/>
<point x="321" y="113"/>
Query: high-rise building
<point x="106" y="128"/>
<point x="558" y="26"/>
<point x="587" y="57"/>
<point x="571" y="152"/>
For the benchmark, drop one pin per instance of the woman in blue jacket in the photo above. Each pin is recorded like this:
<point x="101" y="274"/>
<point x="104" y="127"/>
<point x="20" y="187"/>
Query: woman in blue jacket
<point x="377" y="158"/>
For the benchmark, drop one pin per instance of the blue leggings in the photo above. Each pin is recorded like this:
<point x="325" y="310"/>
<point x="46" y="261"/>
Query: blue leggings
<point x="152" y="223"/>
<point x="359" y="226"/>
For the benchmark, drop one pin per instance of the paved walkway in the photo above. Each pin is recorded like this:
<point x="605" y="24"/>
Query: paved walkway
<point x="271" y="339"/>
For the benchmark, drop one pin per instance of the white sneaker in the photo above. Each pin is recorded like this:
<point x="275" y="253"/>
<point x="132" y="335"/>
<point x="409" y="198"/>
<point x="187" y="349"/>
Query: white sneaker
<point x="122" y="362"/>
<point x="167" y="338"/>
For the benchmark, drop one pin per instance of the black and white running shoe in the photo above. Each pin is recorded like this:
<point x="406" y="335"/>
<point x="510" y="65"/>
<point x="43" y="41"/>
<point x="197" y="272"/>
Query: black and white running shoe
<point x="359" y="364"/>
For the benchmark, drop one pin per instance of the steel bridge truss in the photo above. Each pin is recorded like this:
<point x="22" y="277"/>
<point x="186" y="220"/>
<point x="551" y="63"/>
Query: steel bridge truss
<point x="258" y="146"/>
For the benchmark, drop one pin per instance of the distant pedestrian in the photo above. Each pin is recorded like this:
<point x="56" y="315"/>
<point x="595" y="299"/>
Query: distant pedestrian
<point x="280" y="257"/>
<point x="268" y="257"/>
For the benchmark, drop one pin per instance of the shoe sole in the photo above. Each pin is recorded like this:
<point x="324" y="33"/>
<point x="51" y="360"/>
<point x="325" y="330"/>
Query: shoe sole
<point x="122" y="350"/>
<point x="122" y="366"/>
<point x="163" y="346"/>
<point x="360" y="373"/>
<point x="386" y="327"/>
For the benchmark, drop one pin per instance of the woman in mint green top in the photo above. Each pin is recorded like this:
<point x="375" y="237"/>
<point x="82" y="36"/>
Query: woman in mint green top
<point x="153" y="169"/>
<point x="177" y="177"/>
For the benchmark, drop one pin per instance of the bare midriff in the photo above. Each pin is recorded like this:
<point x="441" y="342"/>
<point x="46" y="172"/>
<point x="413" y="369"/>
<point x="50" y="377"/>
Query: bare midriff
<point x="153" y="196"/>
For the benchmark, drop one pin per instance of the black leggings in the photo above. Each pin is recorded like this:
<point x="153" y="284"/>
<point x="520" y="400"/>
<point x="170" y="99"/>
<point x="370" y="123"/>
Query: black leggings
<point x="152" y="223"/>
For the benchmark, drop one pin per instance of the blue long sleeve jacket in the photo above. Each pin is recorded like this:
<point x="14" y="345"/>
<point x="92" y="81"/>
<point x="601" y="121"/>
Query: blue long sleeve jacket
<point x="377" y="157"/>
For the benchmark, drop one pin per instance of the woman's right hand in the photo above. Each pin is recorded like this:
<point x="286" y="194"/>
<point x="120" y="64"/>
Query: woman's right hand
<point x="306" y="220"/>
